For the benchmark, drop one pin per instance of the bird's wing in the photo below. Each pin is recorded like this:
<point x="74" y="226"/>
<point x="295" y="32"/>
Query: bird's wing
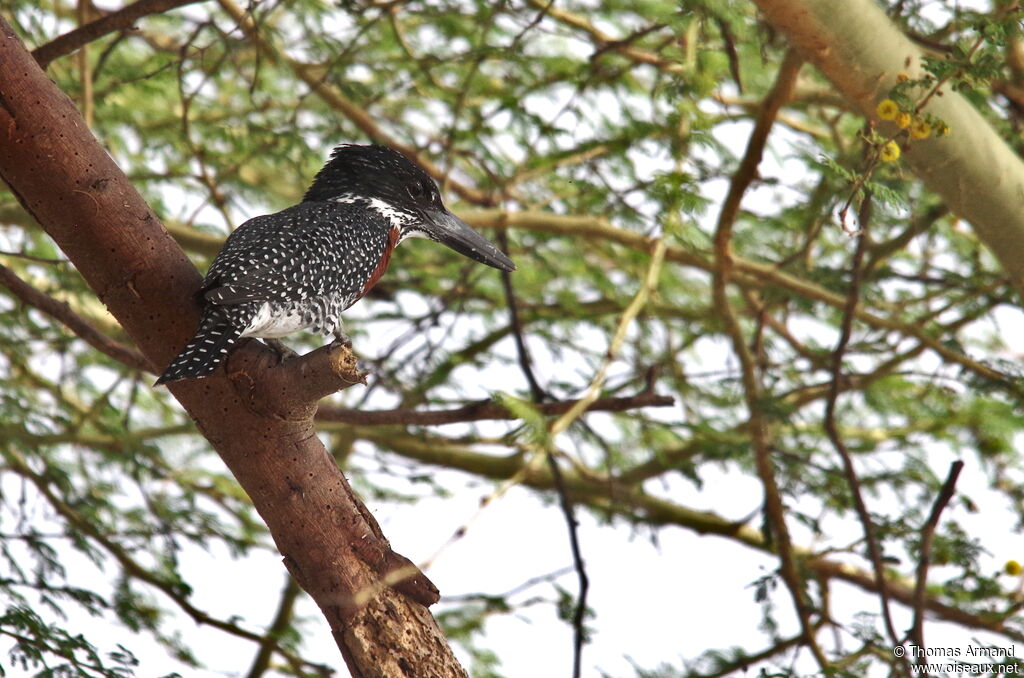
<point x="305" y="251"/>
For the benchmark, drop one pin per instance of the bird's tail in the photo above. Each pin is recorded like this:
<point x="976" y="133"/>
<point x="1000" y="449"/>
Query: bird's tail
<point x="204" y="352"/>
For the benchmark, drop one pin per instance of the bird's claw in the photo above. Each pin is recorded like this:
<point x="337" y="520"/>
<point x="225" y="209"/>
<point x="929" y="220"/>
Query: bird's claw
<point x="283" y="351"/>
<point x="342" y="339"/>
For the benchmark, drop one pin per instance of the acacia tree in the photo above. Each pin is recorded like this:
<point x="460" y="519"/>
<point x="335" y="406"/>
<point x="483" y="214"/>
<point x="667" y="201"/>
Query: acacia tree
<point x="825" y="324"/>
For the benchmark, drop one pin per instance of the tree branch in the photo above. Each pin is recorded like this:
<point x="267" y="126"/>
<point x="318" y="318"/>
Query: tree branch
<point x="294" y="386"/>
<point x="774" y="509"/>
<point x="366" y="123"/>
<point x="115" y="21"/>
<point x="747" y="273"/>
<point x="63" y="314"/>
<point x="482" y="410"/>
<point x="924" y="559"/>
<point x="832" y="427"/>
<point x="329" y="540"/>
<point x="632" y="502"/>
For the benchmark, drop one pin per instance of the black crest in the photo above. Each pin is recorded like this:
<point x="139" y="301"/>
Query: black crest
<point x="374" y="172"/>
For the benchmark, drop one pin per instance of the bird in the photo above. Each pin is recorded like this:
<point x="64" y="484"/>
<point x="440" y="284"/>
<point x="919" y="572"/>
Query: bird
<point x="299" y="268"/>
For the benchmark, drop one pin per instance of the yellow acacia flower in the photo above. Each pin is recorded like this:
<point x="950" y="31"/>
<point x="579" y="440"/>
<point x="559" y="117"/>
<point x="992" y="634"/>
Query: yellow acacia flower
<point x="890" y="152"/>
<point x="903" y="77"/>
<point x="887" y="109"/>
<point x="920" y="129"/>
<point x="942" y="129"/>
<point x="1012" y="568"/>
<point x="903" y="120"/>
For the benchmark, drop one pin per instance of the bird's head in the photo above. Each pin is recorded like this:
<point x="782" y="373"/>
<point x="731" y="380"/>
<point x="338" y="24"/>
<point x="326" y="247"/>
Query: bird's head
<point x="389" y="182"/>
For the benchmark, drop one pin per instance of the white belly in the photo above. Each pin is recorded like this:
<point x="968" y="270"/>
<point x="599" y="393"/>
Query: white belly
<point x="266" y="325"/>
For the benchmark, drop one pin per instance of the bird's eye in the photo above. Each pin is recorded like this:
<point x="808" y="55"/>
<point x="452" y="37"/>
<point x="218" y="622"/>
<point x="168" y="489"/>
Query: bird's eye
<point x="416" y="191"/>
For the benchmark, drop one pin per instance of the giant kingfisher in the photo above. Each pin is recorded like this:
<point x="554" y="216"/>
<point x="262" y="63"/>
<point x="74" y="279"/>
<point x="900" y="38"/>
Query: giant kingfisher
<point x="300" y="268"/>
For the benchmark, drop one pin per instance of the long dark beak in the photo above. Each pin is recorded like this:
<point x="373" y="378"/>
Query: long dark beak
<point x="448" y="229"/>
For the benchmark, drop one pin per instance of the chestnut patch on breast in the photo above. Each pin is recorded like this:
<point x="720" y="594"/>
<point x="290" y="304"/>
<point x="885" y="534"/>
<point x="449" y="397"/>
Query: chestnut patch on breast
<point x="384" y="260"/>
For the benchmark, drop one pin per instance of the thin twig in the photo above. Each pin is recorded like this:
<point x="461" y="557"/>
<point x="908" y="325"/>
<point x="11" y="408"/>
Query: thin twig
<point x="514" y="591"/>
<point x="924" y="559"/>
<point x="758" y="426"/>
<point x="530" y="26"/>
<point x="120" y="20"/>
<point x="580" y="613"/>
<point x="85" y="73"/>
<point x="278" y="627"/>
<point x="565" y="421"/>
<point x="62" y="313"/>
<point x="30" y="257"/>
<point x="628" y="316"/>
<point x="832" y="428"/>
<point x="486" y="409"/>
<point x="538" y="394"/>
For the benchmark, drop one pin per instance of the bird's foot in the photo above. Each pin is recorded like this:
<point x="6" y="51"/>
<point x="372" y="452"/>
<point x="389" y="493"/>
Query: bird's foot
<point x="342" y="338"/>
<point x="283" y="351"/>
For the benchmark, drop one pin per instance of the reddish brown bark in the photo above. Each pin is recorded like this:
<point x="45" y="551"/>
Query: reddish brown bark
<point x="257" y="414"/>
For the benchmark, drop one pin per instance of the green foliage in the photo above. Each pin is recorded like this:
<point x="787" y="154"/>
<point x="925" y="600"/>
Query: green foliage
<point x="462" y="623"/>
<point x="48" y="651"/>
<point x="598" y="127"/>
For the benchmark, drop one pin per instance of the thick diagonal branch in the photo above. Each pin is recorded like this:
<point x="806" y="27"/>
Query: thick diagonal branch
<point x="331" y="543"/>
